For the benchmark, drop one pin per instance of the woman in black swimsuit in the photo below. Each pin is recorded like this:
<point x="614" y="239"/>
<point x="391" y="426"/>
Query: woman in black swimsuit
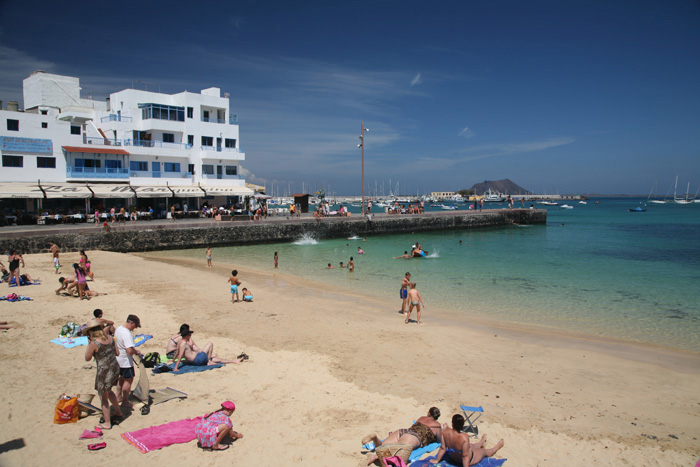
<point x="14" y="260"/>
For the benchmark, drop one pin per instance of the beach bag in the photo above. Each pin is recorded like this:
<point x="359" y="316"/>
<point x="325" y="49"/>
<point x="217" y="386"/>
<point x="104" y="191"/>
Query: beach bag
<point x="67" y="410"/>
<point x="70" y="330"/>
<point x="394" y="461"/>
<point x="161" y="368"/>
<point x="151" y="359"/>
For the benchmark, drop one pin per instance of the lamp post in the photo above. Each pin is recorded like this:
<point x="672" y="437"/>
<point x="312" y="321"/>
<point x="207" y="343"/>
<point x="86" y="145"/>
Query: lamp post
<point x="362" y="145"/>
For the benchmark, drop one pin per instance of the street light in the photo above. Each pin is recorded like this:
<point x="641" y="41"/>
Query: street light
<point x="362" y="145"/>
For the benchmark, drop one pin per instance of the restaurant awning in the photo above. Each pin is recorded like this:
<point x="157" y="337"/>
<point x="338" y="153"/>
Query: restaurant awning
<point x="66" y="191"/>
<point x="95" y="150"/>
<point x="112" y="191"/>
<point x="227" y="191"/>
<point x="152" y="191"/>
<point x="21" y="190"/>
<point x="187" y="191"/>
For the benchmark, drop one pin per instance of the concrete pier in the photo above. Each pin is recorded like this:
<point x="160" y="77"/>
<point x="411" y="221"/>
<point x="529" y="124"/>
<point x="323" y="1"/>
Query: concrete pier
<point x="200" y="233"/>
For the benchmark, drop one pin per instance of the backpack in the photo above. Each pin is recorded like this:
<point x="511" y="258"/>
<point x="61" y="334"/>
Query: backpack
<point x="151" y="359"/>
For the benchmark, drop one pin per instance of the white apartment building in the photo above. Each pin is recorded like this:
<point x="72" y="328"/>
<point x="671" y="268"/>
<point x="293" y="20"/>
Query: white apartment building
<point x="137" y="144"/>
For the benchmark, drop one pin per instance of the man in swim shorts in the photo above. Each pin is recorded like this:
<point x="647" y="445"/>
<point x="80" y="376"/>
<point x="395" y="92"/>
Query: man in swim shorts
<point x="127" y="348"/>
<point x="203" y="357"/>
<point x="403" y="292"/>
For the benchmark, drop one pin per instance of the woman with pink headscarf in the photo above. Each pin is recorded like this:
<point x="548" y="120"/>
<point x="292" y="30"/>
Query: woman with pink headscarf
<point x="215" y="426"/>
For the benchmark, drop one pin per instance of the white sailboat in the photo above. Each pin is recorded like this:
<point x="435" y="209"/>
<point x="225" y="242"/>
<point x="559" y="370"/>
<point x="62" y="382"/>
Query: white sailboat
<point x="655" y="201"/>
<point x="681" y="200"/>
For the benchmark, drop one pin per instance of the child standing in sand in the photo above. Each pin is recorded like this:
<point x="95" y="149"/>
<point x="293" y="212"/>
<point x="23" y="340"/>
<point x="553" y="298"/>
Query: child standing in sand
<point x="233" y="280"/>
<point x="415" y="300"/>
<point x="208" y="256"/>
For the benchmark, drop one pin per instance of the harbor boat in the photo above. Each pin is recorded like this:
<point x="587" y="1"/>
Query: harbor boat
<point x="638" y="209"/>
<point x="566" y="206"/>
<point x="681" y="200"/>
<point x="655" y="201"/>
<point x="491" y="196"/>
<point x="448" y="208"/>
<point x="548" y="203"/>
<point x="582" y="202"/>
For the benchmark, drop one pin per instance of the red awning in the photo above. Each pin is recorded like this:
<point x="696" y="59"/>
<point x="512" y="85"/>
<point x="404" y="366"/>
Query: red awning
<point x="94" y="150"/>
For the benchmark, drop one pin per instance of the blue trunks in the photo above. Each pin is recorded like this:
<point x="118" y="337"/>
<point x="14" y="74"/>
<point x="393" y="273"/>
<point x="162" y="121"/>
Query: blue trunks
<point x="234" y="288"/>
<point x="403" y="293"/>
<point x="201" y="359"/>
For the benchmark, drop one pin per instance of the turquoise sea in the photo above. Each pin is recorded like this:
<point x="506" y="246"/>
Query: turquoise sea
<point x="595" y="269"/>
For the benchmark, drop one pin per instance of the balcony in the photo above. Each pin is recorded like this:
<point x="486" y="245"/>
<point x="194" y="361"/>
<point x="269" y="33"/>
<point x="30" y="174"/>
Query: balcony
<point x="96" y="172"/>
<point x="155" y="144"/>
<point x="98" y="140"/>
<point x="159" y="174"/>
<point x="232" y="119"/>
<point x="116" y="118"/>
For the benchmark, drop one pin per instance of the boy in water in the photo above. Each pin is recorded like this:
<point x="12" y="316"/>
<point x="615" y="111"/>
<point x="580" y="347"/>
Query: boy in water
<point x="342" y="265"/>
<point x="415" y="300"/>
<point x="330" y="266"/>
<point x="276" y="260"/>
<point x="233" y="280"/>
<point x="405" y="255"/>
<point x="351" y="265"/>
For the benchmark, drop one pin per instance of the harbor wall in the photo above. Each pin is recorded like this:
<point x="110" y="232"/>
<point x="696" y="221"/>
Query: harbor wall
<point x="183" y="236"/>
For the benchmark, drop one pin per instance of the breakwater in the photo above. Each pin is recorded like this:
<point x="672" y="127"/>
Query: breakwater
<point x="150" y="236"/>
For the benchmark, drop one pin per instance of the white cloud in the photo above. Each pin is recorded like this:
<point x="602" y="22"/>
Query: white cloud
<point x="467" y="133"/>
<point x="416" y="80"/>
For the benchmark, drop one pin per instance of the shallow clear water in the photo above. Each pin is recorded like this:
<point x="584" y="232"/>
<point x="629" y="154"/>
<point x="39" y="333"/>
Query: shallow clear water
<point x="597" y="269"/>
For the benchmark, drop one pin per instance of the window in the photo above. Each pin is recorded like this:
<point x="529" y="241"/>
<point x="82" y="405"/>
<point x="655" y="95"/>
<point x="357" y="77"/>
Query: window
<point x="190" y="168"/>
<point x="205" y="115"/>
<point x="190" y="112"/>
<point x="113" y="164"/>
<point x="74" y="130"/>
<point x="207" y="169"/>
<point x="207" y="141"/>
<point x="44" y="125"/>
<point x="44" y="112"/>
<point x="162" y="112"/>
<point x="88" y="163"/>
<point x="231" y="170"/>
<point x="12" y="161"/>
<point x="190" y="140"/>
<point x="171" y="167"/>
<point x="12" y="125"/>
<point x="46" y="162"/>
<point x="168" y="138"/>
<point x="139" y="166"/>
<point x="230" y="143"/>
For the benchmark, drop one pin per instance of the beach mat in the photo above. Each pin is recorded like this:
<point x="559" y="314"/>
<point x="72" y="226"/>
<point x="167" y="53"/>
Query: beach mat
<point x="140" y="339"/>
<point x="160" y="436"/>
<point x="70" y="342"/>
<point x="485" y="462"/>
<point x="158" y="396"/>
<point x="192" y="368"/>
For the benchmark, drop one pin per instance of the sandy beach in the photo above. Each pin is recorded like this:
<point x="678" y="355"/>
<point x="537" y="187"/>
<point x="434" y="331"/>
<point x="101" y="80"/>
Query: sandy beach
<point x="328" y="367"/>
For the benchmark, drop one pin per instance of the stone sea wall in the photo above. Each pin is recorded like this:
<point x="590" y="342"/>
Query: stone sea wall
<point x="181" y="236"/>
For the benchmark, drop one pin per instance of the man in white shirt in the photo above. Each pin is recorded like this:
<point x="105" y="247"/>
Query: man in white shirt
<point x="125" y="344"/>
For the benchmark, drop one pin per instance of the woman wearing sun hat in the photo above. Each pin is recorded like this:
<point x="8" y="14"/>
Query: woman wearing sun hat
<point x="215" y="426"/>
<point x="104" y="348"/>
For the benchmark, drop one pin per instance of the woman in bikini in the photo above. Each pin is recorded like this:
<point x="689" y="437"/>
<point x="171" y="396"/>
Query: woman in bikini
<point x="85" y="264"/>
<point x="426" y="430"/>
<point x="105" y="351"/>
<point x="457" y="448"/>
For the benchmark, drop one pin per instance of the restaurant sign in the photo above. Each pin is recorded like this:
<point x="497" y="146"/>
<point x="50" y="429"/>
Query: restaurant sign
<point x="16" y="144"/>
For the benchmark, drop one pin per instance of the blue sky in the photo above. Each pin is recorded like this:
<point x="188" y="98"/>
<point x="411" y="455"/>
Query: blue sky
<point x="558" y="96"/>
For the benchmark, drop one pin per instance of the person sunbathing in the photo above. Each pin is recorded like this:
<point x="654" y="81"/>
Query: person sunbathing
<point x="204" y="357"/>
<point x="426" y="430"/>
<point x="171" y="346"/>
<point x="455" y="445"/>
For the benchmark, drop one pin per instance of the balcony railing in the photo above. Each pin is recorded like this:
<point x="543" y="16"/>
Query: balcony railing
<point x="116" y="118"/>
<point x="101" y="141"/>
<point x="233" y="119"/>
<point x="96" y="172"/>
<point x="155" y="144"/>
<point x="221" y="177"/>
<point x="161" y="174"/>
<point x="219" y="149"/>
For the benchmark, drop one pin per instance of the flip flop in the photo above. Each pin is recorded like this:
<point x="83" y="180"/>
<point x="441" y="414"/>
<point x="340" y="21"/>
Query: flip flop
<point x="87" y="434"/>
<point x="96" y="447"/>
<point x="222" y="447"/>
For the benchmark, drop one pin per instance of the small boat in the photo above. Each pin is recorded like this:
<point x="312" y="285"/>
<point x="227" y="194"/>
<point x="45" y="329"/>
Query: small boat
<point x="491" y="196"/>
<point x="582" y="202"/>
<point x="566" y="206"/>
<point x="548" y="203"/>
<point x="638" y="209"/>
<point x="448" y="208"/>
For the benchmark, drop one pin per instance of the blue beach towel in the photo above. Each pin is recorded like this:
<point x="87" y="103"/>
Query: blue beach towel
<point x="485" y="462"/>
<point x="140" y="339"/>
<point x="192" y="368"/>
<point x="70" y="342"/>
<point x="414" y="455"/>
<point x="14" y="298"/>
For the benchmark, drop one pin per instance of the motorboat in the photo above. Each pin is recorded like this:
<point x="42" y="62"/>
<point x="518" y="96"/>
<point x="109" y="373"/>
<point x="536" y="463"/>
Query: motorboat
<point x="491" y="196"/>
<point x="448" y="208"/>
<point x="566" y="206"/>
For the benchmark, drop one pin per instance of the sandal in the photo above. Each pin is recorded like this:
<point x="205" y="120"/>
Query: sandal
<point x="96" y="447"/>
<point x="145" y="410"/>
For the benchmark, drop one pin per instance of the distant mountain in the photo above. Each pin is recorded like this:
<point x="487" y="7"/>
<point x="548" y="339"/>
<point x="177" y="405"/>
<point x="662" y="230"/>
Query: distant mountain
<point x="502" y="186"/>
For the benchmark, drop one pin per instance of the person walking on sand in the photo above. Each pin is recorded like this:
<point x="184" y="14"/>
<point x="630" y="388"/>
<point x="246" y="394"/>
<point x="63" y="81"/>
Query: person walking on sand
<point x="172" y="212"/>
<point x="208" y="256"/>
<point x="415" y="300"/>
<point x="351" y="265"/>
<point x="276" y="260"/>
<point x="233" y="280"/>
<point x="54" y="252"/>
<point x="403" y="291"/>
<point x="127" y="348"/>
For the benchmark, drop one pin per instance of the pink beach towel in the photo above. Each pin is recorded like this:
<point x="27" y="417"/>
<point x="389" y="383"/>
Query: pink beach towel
<point x="158" y="437"/>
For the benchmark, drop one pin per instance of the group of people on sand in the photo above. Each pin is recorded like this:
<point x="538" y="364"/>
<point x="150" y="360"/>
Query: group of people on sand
<point x="78" y="283"/>
<point x="410" y="296"/>
<point x="113" y="351"/>
<point x="455" y="445"/>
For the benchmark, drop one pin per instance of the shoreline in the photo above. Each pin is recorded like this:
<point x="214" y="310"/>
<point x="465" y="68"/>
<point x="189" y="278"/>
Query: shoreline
<point x="326" y="368"/>
<point x="682" y="360"/>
